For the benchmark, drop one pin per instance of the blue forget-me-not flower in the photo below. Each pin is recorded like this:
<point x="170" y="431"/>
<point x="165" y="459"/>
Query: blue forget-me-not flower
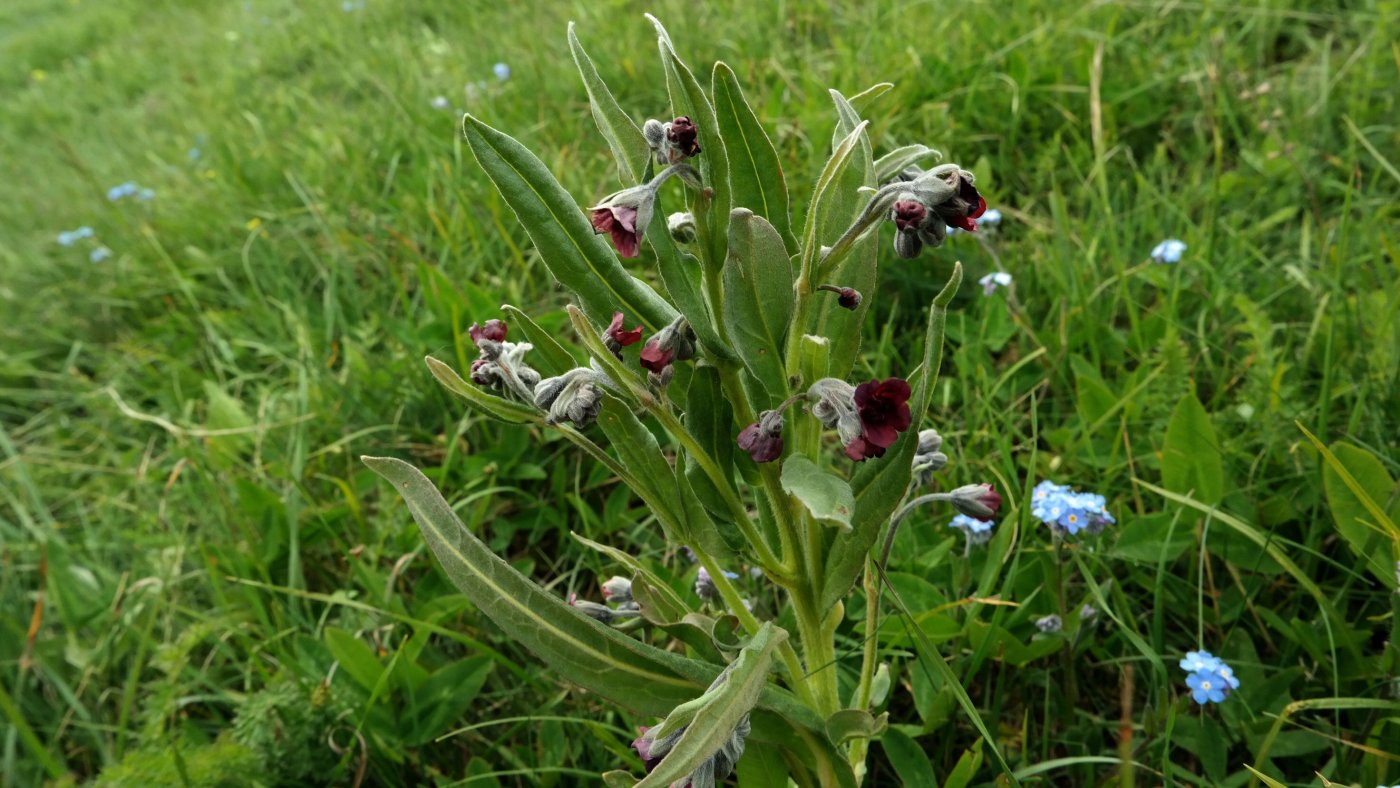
<point x="1168" y="251"/>
<point x="1067" y="511"/>
<point x="502" y="71"/>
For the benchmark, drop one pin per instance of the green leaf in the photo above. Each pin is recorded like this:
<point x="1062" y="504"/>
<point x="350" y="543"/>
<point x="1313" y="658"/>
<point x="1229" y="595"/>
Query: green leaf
<point x="445" y="697"/>
<point x="894" y="162"/>
<point x="651" y="475"/>
<point x="551" y="358"/>
<point x="848" y="724"/>
<point x="804" y="749"/>
<point x="826" y="496"/>
<point x="1355" y="503"/>
<point x="354" y="657"/>
<point x="879" y="485"/>
<point x="688" y="98"/>
<point x="909" y="760"/>
<point x="755" y="171"/>
<point x="1191" y="455"/>
<point x="710" y="419"/>
<point x="582" y="261"/>
<point x="497" y="407"/>
<point x="758" y="299"/>
<point x="724" y="707"/>
<point x="762" y="767"/>
<point x="966" y="767"/>
<point x="576" y="647"/>
<point x="624" y="137"/>
<point x="681" y="275"/>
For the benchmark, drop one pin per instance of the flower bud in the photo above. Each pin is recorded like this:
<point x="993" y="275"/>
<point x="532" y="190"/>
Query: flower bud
<point x="573" y="397"/>
<point x="593" y="610"/>
<point x="763" y="439"/>
<point x="655" y="133"/>
<point x="909" y="215"/>
<point x="929" y="441"/>
<point x="493" y="330"/>
<point x="617" y="589"/>
<point x="976" y="500"/>
<point x="681" y="225"/>
<point x="705" y="585"/>
<point x="675" y="342"/>
<point x="908" y="245"/>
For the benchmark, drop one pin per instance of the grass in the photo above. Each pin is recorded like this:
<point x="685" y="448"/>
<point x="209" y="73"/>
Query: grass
<point x="201" y="583"/>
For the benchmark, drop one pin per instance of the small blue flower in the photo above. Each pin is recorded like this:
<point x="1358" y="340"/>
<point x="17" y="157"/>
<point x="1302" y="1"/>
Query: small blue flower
<point x="146" y="195"/>
<point x="1195" y="661"/>
<point x="99" y="254"/>
<point x="352" y="5"/>
<point x="66" y="238"/>
<point x="988" y="218"/>
<point x="83" y="232"/>
<point x="992" y="281"/>
<point x="194" y="154"/>
<point x="121" y="190"/>
<point x="440" y="103"/>
<point x="1168" y="251"/>
<point x="1067" y="511"/>
<point x="1206" y="687"/>
<point x="502" y="71"/>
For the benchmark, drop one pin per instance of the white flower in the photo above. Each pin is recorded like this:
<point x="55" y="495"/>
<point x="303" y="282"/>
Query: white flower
<point x="992" y="281"/>
<point x="440" y="102"/>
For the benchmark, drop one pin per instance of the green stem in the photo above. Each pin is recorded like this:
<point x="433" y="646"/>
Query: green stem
<point x="819" y="648"/>
<point x="797" y="677"/>
<point x="868" y="666"/>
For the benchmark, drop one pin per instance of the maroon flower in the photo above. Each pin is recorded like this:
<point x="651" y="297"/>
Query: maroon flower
<point x="494" y="330"/>
<point x="682" y="135"/>
<point x="484" y="373"/>
<point x="619" y="335"/>
<point x="883" y="407"/>
<point x="909" y="215"/>
<point x="620" y="222"/>
<point x="763" y="439"/>
<point x="960" y="211"/>
<point x="656" y="358"/>
<point x="861" y="449"/>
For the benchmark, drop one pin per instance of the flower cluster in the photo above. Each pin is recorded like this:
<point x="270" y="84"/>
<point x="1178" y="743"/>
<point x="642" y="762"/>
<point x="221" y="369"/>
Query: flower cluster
<point x="868" y="418"/>
<point x="623" y="216"/>
<point x="672" y="142"/>
<point x="1069" y="512"/>
<point x="929" y="203"/>
<point x="501" y="364"/>
<point x="977" y="531"/>
<point x="1210" y="679"/>
<point x="129" y="189"/>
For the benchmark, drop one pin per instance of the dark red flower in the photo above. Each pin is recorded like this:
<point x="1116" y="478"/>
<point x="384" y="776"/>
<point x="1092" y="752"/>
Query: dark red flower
<point x="654" y="357"/>
<point x="494" y="330"/>
<point x="620" y="222"/>
<point x="763" y="439"/>
<point x="861" y="449"/>
<point x="883" y="407"/>
<point x="960" y="211"/>
<point x="621" y="336"/>
<point x="909" y="215"/>
<point x="484" y="373"/>
<point x="682" y="135"/>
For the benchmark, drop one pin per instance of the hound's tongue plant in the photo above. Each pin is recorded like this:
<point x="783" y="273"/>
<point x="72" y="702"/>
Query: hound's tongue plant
<point x="775" y="456"/>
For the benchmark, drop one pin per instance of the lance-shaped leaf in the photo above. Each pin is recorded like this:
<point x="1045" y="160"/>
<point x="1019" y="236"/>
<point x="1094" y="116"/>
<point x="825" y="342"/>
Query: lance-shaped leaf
<point x="758" y="299"/>
<point x="710" y="418"/>
<point x="722" y="709"/>
<point x="652" y="477"/>
<point x="826" y="496"/>
<point x="581" y="261"/>
<point x="755" y="172"/>
<point x="840" y="206"/>
<point x="805" y="749"/>
<point x="550" y="357"/>
<point x="688" y="98"/>
<point x="629" y="147"/>
<point x="880" y="484"/>
<point x="894" y="162"/>
<point x="576" y="647"/>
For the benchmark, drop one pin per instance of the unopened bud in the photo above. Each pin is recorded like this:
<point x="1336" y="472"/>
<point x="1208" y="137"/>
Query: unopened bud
<point x="681" y="225"/>
<point x="976" y="500"/>
<point x="617" y="589"/>
<point x="763" y="439"/>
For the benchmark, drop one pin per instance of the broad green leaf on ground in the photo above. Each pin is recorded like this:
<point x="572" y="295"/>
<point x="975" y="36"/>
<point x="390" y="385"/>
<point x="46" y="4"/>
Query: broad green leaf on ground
<point x="826" y="496"/>
<point x="724" y="708"/>
<point x="1191" y="454"/>
<point x="576" y="647"/>
<point x="755" y="171"/>
<point x="758" y="299"/>
<point x="1355" y="507"/>
<point x="624" y="137"/>
<point x="879" y="484"/>
<point x="582" y="261"/>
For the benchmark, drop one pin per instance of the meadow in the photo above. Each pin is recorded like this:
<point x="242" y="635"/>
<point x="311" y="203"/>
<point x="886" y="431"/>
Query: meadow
<point x="200" y="583"/>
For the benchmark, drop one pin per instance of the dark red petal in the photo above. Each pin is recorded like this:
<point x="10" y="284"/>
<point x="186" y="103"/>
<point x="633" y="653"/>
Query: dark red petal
<point x="602" y="220"/>
<point x="981" y="207"/>
<point x="627" y="243"/>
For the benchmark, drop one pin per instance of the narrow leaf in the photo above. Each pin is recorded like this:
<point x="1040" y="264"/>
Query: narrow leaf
<point x="714" y="723"/>
<point x="497" y="407"/>
<point x="758" y="299"/>
<point x="624" y="137"/>
<point x="908" y="759"/>
<point x="575" y="646"/>
<point x="827" y="497"/>
<point x="755" y="171"/>
<point x="681" y="275"/>
<point x="710" y="419"/>
<point x="581" y="261"/>
<point x="651" y="475"/>
<point x="672" y="599"/>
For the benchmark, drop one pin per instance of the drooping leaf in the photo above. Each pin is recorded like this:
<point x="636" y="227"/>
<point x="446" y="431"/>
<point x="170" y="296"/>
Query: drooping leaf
<point x="714" y="723"/>
<point x="1355" y="508"/>
<point x="755" y="171"/>
<point x="624" y="137"/>
<point x="758" y="299"/>
<point x="879" y="485"/>
<point x="1191" y="454"/>
<point x="576" y="647"/>
<point x="582" y="261"/>
<point x="827" y="497"/>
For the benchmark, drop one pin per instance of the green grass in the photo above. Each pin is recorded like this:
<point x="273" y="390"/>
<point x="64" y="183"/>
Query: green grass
<point x="183" y="515"/>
